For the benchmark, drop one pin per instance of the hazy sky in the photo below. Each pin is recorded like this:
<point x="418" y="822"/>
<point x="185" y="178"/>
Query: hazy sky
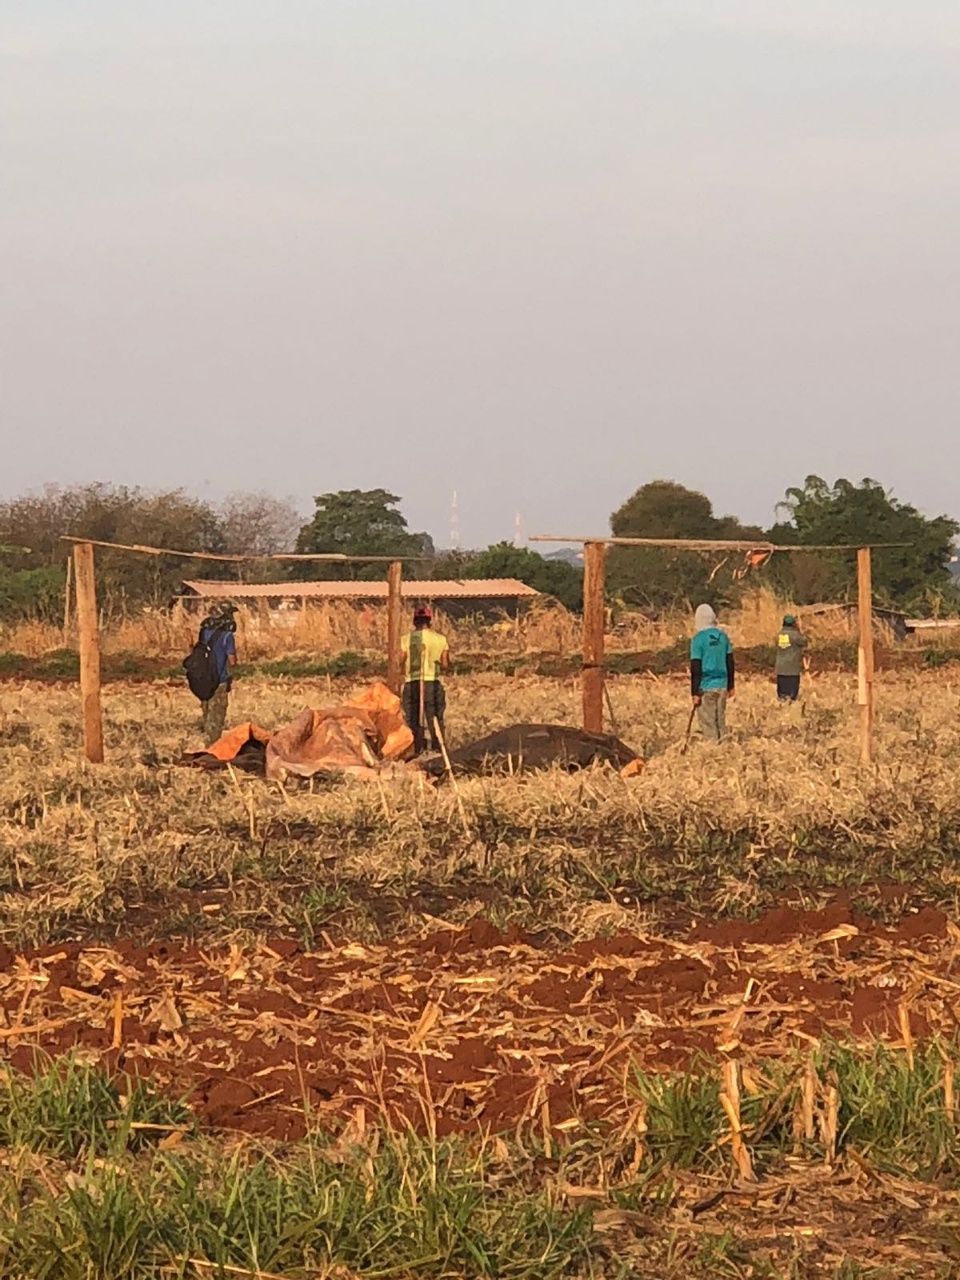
<point x="540" y="251"/>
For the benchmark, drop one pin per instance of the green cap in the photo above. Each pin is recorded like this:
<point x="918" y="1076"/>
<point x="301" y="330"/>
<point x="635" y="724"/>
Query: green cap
<point x="789" y="620"/>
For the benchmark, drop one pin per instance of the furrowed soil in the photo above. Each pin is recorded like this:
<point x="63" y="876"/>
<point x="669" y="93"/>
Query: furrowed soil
<point x="469" y="1030"/>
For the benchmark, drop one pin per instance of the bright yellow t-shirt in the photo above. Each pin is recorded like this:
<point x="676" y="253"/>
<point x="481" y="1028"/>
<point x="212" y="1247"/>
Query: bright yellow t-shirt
<point x="423" y="647"/>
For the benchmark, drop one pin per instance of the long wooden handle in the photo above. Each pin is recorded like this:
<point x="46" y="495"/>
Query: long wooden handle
<point x="686" y="738"/>
<point x="452" y="776"/>
<point x="613" y="717"/>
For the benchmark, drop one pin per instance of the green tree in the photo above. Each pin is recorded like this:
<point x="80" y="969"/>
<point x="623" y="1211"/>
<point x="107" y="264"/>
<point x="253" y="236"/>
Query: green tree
<point x="452" y="565"/>
<point x="114" y="513"/>
<point x="914" y="577"/>
<point x="358" y="522"/>
<point x="655" y="577"/>
<point x="553" y="577"/>
<point x="32" y="593"/>
<point x="664" y="509"/>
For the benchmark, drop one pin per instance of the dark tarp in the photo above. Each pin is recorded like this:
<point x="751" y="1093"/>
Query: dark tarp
<point x="534" y="746"/>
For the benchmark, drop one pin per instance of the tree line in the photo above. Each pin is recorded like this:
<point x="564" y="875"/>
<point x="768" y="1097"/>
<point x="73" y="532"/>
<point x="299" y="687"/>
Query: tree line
<point x="33" y="559"/>
<point x="915" y="576"/>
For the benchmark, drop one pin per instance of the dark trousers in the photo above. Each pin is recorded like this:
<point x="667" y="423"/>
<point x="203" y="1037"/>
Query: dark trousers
<point x="434" y="705"/>
<point x="788" y="688"/>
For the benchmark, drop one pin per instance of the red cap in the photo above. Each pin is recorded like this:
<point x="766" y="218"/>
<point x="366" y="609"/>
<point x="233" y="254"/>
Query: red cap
<point x="423" y="611"/>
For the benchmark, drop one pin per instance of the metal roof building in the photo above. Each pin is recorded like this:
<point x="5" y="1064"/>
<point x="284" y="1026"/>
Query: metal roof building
<point x="441" y="589"/>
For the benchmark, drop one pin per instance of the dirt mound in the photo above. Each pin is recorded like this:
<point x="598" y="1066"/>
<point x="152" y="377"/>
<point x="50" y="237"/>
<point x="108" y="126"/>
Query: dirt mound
<point x="535" y="746"/>
<point x="470" y="1027"/>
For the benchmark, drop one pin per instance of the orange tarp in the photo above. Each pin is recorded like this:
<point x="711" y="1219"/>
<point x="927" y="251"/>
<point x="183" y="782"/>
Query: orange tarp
<point x="360" y="734"/>
<point x="229" y="746"/>
<point x="384" y="709"/>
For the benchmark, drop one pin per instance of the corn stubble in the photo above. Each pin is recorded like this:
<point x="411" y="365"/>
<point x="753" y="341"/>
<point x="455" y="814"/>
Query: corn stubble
<point x="832" y="1159"/>
<point x="782" y="808"/>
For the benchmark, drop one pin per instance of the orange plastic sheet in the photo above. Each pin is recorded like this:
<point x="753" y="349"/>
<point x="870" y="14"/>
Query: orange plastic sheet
<point x="358" y="736"/>
<point x="229" y="746"/>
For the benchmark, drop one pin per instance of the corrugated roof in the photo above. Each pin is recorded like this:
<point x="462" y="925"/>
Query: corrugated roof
<point x="442" y="589"/>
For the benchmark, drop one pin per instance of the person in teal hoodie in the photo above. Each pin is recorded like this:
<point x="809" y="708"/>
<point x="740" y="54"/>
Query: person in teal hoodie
<point x="711" y="673"/>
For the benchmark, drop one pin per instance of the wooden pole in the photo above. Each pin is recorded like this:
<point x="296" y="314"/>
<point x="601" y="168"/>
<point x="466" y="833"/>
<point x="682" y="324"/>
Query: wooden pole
<point x="66" y="601"/>
<point x="88" y="631"/>
<point x="594" y="558"/>
<point x="394" y="625"/>
<point x="865" y="653"/>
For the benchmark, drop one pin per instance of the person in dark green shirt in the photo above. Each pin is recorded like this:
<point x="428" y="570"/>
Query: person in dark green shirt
<point x="791" y="643"/>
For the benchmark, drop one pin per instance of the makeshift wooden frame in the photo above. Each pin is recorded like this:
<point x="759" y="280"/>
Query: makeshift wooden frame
<point x="594" y="577"/>
<point x="592" y="677"/>
<point x="88" y="621"/>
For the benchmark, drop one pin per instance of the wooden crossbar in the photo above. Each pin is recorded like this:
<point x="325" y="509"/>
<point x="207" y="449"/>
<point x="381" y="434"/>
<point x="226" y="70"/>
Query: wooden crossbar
<point x="718" y="544"/>
<point x="335" y="556"/>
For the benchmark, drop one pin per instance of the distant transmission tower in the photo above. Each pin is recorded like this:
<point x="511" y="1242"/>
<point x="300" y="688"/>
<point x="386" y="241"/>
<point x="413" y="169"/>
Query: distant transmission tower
<point x="454" y="524"/>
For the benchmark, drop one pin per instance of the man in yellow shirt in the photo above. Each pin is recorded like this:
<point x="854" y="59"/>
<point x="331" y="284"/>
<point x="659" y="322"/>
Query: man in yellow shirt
<point x="426" y="653"/>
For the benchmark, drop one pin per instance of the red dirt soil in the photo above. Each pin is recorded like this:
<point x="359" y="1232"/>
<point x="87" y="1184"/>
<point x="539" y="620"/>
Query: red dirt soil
<point x="467" y="1029"/>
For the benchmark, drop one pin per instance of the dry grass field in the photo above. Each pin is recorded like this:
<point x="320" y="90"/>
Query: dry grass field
<point x="326" y="630"/>
<point x="786" y="790"/>
<point x="700" y="1022"/>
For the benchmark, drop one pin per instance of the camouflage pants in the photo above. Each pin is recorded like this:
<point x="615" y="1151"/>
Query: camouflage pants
<point x="712" y="714"/>
<point x="214" y="715"/>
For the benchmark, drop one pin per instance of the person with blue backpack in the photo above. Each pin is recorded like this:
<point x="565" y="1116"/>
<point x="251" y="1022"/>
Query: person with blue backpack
<point x="712" y="673"/>
<point x="209" y="668"/>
